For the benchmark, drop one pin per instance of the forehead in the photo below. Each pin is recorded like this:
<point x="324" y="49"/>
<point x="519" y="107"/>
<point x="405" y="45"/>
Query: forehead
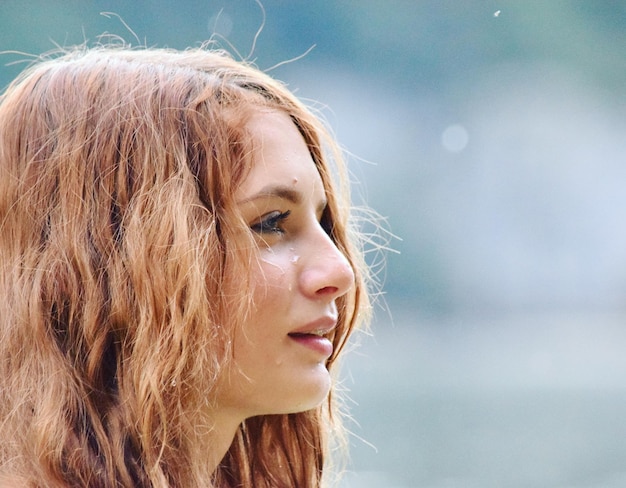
<point x="280" y="157"/>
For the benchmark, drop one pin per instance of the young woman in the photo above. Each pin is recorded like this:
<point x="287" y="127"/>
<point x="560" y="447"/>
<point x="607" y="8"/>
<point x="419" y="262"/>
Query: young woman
<point x="177" y="275"/>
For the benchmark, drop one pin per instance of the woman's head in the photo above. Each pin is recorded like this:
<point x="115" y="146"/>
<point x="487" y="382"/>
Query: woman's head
<point x="136" y="260"/>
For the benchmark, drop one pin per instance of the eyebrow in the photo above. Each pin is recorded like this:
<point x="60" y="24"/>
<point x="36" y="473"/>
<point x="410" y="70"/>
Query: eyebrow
<point x="283" y="192"/>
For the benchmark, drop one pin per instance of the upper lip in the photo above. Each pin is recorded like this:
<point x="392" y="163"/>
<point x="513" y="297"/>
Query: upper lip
<point x="320" y="327"/>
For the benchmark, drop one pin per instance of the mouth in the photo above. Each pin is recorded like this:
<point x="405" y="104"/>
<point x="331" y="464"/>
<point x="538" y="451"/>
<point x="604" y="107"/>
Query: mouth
<point x="317" y="340"/>
<point x="316" y="333"/>
<point x="322" y="327"/>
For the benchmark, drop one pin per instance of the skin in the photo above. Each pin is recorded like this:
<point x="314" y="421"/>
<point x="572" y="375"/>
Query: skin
<point x="298" y="275"/>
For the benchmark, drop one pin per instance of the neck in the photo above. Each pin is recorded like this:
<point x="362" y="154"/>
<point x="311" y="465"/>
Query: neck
<point x="220" y="439"/>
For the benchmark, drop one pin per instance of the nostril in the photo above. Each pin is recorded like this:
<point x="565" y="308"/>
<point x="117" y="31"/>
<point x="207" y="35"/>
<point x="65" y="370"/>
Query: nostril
<point x="327" y="290"/>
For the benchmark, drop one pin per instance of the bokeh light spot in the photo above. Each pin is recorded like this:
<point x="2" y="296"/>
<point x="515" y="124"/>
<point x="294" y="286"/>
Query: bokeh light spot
<point x="454" y="138"/>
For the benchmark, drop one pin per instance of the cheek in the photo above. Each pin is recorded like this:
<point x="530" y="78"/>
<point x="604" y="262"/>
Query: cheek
<point x="272" y="281"/>
<point x="271" y="288"/>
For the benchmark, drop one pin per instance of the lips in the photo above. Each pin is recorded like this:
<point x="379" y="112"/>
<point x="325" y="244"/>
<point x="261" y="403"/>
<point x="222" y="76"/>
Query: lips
<point x="317" y="333"/>
<point x="314" y="336"/>
<point x="319" y="327"/>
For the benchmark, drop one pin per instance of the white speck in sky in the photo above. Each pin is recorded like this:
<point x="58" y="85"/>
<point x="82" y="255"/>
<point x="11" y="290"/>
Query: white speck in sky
<point x="497" y="13"/>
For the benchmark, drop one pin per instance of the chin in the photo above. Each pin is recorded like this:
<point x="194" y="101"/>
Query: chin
<point x="313" y="395"/>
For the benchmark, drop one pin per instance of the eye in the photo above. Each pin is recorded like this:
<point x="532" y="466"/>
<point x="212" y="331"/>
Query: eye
<point x="326" y="221"/>
<point x="271" y="223"/>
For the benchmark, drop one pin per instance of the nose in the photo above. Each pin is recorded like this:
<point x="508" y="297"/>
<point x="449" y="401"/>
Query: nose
<point x="325" y="271"/>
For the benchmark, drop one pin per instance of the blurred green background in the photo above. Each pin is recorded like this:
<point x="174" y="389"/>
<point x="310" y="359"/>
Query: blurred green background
<point x="491" y="135"/>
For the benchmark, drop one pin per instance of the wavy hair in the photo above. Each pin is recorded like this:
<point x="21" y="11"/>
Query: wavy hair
<point x="117" y="221"/>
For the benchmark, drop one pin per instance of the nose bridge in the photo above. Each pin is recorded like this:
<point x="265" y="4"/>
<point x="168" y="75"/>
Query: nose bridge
<point x="326" y="270"/>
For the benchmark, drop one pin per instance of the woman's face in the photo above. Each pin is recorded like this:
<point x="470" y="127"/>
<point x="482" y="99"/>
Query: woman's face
<point x="280" y="353"/>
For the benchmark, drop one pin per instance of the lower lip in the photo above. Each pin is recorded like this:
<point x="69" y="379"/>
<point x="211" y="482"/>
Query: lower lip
<point x="318" y="344"/>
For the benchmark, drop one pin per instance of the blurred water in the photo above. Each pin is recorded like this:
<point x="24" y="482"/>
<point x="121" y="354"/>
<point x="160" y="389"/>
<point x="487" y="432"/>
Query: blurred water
<point x="532" y="401"/>
<point x="507" y="190"/>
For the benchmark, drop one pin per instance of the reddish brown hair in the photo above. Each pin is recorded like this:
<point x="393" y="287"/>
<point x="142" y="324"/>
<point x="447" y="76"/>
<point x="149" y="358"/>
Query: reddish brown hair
<point x="117" y="174"/>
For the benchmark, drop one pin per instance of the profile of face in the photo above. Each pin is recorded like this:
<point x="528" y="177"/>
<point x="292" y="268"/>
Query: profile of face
<point x="280" y="353"/>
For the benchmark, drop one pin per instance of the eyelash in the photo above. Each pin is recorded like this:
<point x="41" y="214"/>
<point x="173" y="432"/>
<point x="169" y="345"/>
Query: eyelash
<point x="271" y="224"/>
